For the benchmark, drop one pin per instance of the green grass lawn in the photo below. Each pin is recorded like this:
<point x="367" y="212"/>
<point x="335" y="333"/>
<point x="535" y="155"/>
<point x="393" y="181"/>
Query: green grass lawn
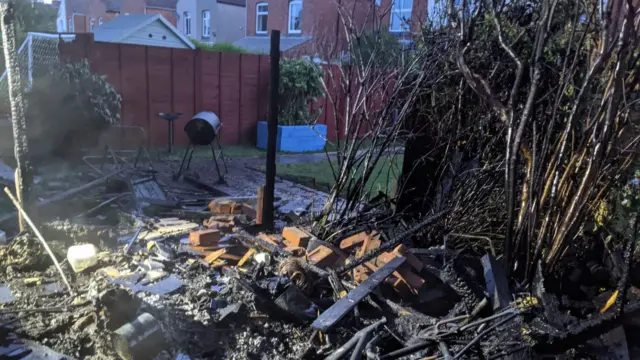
<point x="318" y="175"/>
<point x="232" y="151"/>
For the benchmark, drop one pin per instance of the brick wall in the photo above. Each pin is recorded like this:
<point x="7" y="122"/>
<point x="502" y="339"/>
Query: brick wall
<point x="96" y="9"/>
<point x="320" y="19"/>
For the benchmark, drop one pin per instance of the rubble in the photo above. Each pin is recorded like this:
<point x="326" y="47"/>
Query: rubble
<point x="204" y="280"/>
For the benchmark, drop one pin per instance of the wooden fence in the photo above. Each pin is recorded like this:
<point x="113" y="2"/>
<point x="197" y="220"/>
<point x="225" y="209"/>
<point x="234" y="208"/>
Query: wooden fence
<point x="155" y="79"/>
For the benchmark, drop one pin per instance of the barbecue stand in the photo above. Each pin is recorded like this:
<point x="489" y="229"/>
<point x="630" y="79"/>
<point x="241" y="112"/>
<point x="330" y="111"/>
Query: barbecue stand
<point x="170" y="117"/>
<point x="203" y="130"/>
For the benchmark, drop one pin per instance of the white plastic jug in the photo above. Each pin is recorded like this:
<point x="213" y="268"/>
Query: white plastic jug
<point x="82" y="256"/>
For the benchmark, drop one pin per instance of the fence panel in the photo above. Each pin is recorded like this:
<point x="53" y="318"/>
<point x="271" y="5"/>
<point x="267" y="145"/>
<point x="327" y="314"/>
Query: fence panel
<point x="155" y="79"/>
<point x="230" y="97"/>
<point x="160" y="93"/>
<point x="183" y="76"/>
<point x="249" y="103"/>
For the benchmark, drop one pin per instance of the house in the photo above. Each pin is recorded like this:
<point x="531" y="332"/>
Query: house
<point x="142" y="29"/>
<point x="79" y="16"/>
<point x="212" y="21"/>
<point x="306" y="26"/>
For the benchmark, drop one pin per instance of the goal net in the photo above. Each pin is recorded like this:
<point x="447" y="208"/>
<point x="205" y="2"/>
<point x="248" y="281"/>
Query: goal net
<point x="37" y="54"/>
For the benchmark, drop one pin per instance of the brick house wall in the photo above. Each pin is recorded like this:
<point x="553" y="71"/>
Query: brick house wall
<point x="80" y="12"/>
<point x="320" y="19"/>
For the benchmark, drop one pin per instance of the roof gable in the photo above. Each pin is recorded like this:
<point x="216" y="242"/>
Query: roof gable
<point x="123" y="26"/>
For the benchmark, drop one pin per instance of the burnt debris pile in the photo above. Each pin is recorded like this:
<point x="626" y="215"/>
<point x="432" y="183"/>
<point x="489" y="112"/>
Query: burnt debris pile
<point x="153" y="269"/>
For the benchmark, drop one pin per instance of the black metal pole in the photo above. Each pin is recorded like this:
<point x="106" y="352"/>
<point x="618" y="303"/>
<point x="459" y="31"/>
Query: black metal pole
<point x="274" y="84"/>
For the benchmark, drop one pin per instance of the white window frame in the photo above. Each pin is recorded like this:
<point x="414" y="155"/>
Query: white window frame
<point x="401" y="11"/>
<point x="92" y="23"/>
<point x="206" y="23"/>
<point x="100" y="21"/>
<point x="293" y="3"/>
<point x="261" y="13"/>
<point x="187" y="23"/>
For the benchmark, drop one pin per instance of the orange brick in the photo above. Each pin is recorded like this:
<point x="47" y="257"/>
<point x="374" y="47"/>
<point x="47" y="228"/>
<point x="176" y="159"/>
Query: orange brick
<point x="204" y="238"/>
<point x="224" y="207"/>
<point x="324" y="257"/>
<point x="353" y="240"/>
<point x="404" y="273"/>
<point x="295" y="237"/>
<point x="370" y="243"/>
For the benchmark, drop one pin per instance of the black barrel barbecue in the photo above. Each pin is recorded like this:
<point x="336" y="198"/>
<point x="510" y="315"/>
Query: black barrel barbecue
<point x="203" y="130"/>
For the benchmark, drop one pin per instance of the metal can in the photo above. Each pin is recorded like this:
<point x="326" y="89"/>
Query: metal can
<point x="140" y="339"/>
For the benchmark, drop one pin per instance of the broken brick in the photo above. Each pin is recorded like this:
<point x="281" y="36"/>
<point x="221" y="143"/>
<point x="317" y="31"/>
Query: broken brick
<point x="249" y="211"/>
<point x="208" y="237"/>
<point x="370" y="243"/>
<point x="404" y="273"/>
<point x="219" y="225"/>
<point x="224" y="207"/>
<point x="295" y="237"/>
<point x="269" y="238"/>
<point x="353" y="240"/>
<point x="324" y="257"/>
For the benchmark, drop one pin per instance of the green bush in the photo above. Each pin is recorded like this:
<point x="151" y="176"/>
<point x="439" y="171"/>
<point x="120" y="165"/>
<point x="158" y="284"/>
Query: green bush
<point x="300" y="85"/>
<point x="220" y="47"/>
<point x="377" y="48"/>
<point x="68" y="99"/>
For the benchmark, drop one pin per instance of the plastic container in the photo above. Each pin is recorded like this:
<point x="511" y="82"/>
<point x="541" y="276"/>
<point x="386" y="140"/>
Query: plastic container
<point x="3" y="238"/>
<point x="82" y="257"/>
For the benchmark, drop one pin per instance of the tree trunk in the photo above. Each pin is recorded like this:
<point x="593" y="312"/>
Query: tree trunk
<point x="18" y="121"/>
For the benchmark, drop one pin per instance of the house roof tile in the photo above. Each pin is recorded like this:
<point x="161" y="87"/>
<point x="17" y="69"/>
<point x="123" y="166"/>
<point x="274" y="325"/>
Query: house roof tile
<point x="165" y="4"/>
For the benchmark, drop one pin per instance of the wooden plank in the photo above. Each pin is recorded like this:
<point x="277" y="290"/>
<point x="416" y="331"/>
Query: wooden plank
<point x="260" y="206"/>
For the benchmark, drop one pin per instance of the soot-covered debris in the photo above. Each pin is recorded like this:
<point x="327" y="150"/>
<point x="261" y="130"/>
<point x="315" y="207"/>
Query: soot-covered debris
<point x="183" y="275"/>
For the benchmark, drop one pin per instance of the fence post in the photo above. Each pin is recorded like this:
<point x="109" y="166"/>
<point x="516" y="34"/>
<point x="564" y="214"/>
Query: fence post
<point x="29" y="60"/>
<point x="269" y="196"/>
<point x="16" y="90"/>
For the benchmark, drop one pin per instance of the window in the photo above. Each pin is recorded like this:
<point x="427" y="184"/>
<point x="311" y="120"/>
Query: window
<point x="295" y="9"/>
<point x="206" y="23"/>
<point x="99" y="21"/>
<point x="262" y="12"/>
<point x="187" y="23"/>
<point x="400" y="15"/>
<point x="92" y="24"/>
